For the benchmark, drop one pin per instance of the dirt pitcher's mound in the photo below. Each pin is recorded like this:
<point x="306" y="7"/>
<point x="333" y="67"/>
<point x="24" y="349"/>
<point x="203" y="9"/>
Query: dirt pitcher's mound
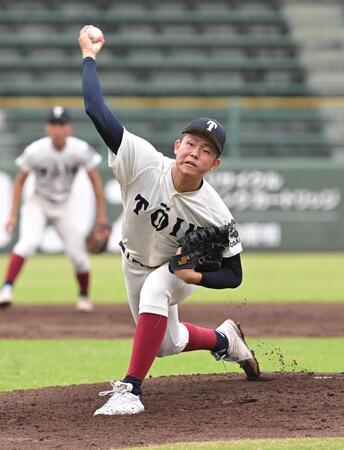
<point x="183" y="408"/>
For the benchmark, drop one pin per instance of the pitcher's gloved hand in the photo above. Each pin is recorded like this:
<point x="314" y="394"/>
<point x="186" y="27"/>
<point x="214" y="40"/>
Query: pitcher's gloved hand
<point x="202" y="249"/>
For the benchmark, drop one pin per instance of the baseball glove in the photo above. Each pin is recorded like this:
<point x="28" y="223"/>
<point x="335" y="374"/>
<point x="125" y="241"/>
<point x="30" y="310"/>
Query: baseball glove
<point x="202" y="249"/>
<point x="98" y="238"/>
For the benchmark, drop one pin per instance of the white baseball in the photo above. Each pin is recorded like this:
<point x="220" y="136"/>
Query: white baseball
<point x="95" y="34"/>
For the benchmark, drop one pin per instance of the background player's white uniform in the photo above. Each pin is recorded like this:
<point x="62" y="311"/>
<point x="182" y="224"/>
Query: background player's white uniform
<point x="49" y="204"/>
<point x="155" y="216"/>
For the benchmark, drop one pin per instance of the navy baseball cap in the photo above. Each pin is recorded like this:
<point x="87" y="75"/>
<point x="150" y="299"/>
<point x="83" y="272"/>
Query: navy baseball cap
<point x="58" y="114"/>
<point x="210" y="128"/>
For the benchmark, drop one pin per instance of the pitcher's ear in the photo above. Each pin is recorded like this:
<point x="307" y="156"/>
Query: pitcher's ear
<point x="215" y="164"/>
<point x="177" y="145"/>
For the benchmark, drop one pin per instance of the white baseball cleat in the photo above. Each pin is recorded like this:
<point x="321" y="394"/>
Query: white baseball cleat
<point x="84" y="304"/>
<point x="6" y="296"/>
<point x="237" y="351"/>
<point x="121" y="402"/>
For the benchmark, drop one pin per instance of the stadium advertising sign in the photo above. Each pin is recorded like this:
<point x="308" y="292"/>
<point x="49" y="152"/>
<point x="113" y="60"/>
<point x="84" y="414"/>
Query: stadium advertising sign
<point x="277" y="208"/>
<point x="285" y="208"/>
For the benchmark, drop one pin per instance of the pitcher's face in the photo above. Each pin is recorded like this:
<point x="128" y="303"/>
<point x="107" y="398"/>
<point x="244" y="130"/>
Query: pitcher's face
<point x="195" y="155"/>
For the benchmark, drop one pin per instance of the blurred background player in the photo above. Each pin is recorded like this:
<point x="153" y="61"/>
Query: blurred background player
<point x="55" y="161"/>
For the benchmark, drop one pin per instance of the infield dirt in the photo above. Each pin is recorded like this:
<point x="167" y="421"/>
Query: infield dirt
<point x="183" y="408"/>
<point x="115" y="321"/>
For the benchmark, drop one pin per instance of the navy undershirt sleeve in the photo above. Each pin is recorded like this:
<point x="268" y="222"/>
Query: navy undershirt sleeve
<point x="108" y="126"/>
<point x="229" y="276"/>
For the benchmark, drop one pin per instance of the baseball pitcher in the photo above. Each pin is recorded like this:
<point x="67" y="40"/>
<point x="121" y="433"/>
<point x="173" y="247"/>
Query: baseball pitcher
<point x="177" y="234"/>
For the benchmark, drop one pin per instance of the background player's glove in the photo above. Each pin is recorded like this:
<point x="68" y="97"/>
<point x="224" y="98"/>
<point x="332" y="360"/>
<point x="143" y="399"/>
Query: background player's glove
<point x="202" y="249"/>
<point x="98" y="238"/>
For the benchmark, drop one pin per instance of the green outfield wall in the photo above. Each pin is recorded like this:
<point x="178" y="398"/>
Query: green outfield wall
<point x="282" y="205"/>
<point x="285" y="205"/>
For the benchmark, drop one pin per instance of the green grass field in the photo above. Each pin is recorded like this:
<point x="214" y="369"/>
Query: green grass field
<point x="258" y="444"/>
<point x="286" y="277"/>
<point x="308" y="277"/>
<point x="36" y="363"/>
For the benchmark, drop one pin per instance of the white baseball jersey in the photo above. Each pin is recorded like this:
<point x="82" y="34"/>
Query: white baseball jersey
<point x="155" y="215"/>
<point x="55" y="169"/>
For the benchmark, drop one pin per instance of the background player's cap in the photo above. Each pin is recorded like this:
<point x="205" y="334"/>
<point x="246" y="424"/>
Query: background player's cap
<point x="59" y="115"/>
<point x="211" y="128"/>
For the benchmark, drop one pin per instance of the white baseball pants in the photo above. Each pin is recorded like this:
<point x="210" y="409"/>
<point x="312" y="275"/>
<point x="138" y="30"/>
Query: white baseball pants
<point x="158" y="291"/>
<point x="35" y="214"/>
